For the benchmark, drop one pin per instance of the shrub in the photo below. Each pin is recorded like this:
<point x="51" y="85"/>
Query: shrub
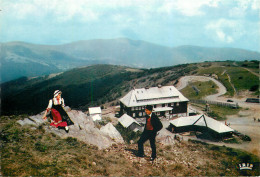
<point x="72" y="141"/>
<point x="254" y="88"/>
<point x="246" y="138"/>
<point x="40" y="147"/>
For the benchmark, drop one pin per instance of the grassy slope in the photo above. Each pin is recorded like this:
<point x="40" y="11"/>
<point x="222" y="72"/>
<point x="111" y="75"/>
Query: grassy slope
<point x="83" y="87"/>
<point x="240" y="77"/>
<point x="101" y="84"/>
<point x="27" y="152"/>
<point x="205" y="89"/>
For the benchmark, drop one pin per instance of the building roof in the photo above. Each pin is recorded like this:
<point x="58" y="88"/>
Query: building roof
<point x="201" y="120"/>
<point x="127" y="120"/>
<point x="94" y="110"/>
<point x="153" y="95"/>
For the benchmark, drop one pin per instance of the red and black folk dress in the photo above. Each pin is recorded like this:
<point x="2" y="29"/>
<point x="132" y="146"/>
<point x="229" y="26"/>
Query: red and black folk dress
<point x="58" y="114"/>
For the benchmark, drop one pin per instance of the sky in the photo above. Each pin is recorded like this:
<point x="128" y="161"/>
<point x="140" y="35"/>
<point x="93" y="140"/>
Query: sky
<point x="172" y="23"/>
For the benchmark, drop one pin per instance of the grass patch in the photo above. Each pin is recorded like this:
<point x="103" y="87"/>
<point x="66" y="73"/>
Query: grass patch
<point x="222" y="76"/>
<point x="218" y="112"/>
<point x="223" y="112"/>
<point x="203" y="89"/>
<point x="241" y="78"/>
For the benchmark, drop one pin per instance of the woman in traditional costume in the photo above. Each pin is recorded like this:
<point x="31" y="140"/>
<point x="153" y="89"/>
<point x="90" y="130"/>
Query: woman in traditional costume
<point x="60" y="118"/>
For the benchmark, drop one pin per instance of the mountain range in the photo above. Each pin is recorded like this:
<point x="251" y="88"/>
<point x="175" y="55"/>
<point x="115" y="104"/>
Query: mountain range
<point x="24" y="59"/>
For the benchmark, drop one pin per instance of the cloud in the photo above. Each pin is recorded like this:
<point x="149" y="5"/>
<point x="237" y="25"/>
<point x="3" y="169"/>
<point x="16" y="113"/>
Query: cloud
<point x="62" y="10"/>
<point x="187" y="7"/>
<point x="256" y="5"/>
<point x="224" y="30"/>
<point x="90" y="10"/>
<point x="240" y="7"/>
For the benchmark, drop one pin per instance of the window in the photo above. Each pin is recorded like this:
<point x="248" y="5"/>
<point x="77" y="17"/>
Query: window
<point x="154" y="106"/>
<point x="133" y="114"/>
<point x="140" y="114"/>
<point x="177" y="104"/>
<point x="169" y="104"/>
<point x="163" y="105"/>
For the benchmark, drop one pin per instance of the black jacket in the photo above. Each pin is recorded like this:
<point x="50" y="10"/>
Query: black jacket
<point x="156" y="123"/>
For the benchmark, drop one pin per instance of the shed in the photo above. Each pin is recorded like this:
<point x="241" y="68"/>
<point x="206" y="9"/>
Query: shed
<point x="129" y="122"/>
<point x="201" y="123"/>
<point x="95" y="113"/>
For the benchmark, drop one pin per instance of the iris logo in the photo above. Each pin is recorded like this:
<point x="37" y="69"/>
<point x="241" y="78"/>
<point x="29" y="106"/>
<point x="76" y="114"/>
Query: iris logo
<point x="246" y="166"/>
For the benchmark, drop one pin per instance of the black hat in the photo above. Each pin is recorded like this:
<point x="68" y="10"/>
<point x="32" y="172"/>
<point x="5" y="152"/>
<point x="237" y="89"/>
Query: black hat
<point x="149" y="107"/>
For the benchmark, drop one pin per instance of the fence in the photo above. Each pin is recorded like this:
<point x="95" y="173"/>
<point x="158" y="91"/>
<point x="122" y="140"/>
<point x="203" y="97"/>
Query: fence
<point x="230" y="105"/>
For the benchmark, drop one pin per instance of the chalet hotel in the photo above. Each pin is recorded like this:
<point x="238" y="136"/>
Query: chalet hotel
<point x="166" y="100"/>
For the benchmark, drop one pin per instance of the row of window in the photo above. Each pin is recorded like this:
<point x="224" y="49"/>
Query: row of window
<point x="142" y="114"/>
<point x="139" y="108"/>
<point x="163" y="98"/>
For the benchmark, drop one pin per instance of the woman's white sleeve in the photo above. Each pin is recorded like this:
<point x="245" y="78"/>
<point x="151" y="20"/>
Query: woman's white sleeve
<point x="50" y="104"/>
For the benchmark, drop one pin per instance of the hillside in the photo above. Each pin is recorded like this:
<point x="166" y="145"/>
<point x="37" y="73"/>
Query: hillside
<point x="104" y="84"/>
<point x="81" y="87"/>
<point x="33" y="151"/>
<point x="23" y="59"/>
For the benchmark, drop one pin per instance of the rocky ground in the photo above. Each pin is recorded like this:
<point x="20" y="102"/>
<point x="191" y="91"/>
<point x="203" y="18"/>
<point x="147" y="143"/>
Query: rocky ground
<point x="84" y="129"/>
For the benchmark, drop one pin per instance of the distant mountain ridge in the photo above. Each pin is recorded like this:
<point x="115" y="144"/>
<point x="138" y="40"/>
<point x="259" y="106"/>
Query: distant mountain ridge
<point x="25" y="59"/>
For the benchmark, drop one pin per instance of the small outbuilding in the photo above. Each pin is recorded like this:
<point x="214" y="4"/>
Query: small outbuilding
<point x="130" y="123"/>
<point x="95" y="113"/>
<point x="201" y="123"/>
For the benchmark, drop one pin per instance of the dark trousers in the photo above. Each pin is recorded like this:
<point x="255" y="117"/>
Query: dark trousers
<point x="147" y="134"/>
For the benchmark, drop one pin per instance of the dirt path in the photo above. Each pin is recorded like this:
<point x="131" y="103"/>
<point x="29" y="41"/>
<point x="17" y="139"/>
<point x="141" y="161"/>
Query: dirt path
<point x="258" y="75"/>
<point x="232" y="85"/>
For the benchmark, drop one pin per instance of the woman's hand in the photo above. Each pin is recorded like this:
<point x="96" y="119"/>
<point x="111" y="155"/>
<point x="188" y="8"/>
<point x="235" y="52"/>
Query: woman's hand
<point x="44" y="117"/>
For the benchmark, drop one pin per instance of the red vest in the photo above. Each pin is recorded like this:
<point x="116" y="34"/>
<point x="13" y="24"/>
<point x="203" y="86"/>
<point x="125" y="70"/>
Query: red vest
<point x="149" y="125"/>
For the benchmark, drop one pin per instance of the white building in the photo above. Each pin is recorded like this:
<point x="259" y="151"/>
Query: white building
<point x="128" y="122"/>
<point x="166" y="100"/>
<point x="201" y="123"/>
<point x="95" y="113"/>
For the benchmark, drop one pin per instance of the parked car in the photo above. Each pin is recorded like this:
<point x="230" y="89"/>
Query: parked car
<point x="230" y="100"/>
